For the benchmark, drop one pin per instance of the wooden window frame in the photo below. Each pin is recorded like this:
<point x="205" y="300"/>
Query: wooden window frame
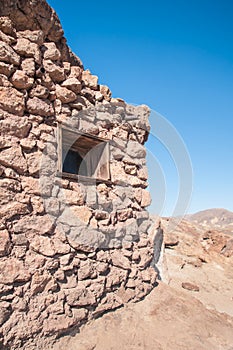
<point x="96" y="140"/>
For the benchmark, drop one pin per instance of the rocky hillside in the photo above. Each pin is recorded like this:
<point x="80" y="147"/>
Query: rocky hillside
<point x="221" y="219"/>
<point x="199" y="260"/>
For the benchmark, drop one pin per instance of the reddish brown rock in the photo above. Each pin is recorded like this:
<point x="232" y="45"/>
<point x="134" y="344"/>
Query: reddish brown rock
<point x="40" y="107"/>
<point x="6" y="69"/>
<point x="73" y="84"/>
<point x="4" y="243"/>
<point x="105" y="91"/>
<point x="35" y="36"/>
<point x="56" y="72"/>
<point x="34" y="225"/>
<point x="190" y="286"/>
<point x="146" y="198"/>
<point x="82" y="213"/>
<point x="80" y="297"/>
<point x="21" y="80"/>
<point x="119" y="260"/>
<point x="8" y="55"/>
<point x="10" y="126"/>
<point x="27" y="48"/>
<point x="13" y="270"/>
<point x="51" y="52"/>
<point x="110" y="302"/>
<point x="90" y="80"/>
<point x="13" y="158"/>
<point x="64" y="94"/>
<point x="28" y="66"/>
<point x="12" y="100"/>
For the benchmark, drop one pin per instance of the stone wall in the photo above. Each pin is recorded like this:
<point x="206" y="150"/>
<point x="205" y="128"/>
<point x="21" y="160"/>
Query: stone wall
<point x="70" y="250"/>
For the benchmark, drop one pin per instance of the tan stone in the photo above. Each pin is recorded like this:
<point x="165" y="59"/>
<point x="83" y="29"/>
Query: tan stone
<point x="146" y="198"/>
<point x="118" y="174"/>
<point x="64" y="94"/>
<point x="35" y="36"/>
<point x="124" y="214"/>
<point x="33" y="162"/>
<point x="51" y="52"/>
<point x="12" y="100"/>
<point x="6" y="69"/>
<point x="80" y="297"/>
<point x="7" y="38"/>
<point x="190" y="286"/>
<point x="21" y="80"/>
<point x="131" y="169"/>
<point x="27" y="144"/>
<point x="4" y="243"/>
<point x="73" y="84"/>
<point x="146" y="257"/>
<point x="34" y="225"/>
<point x="39" y="282"/>
<point x="13" y="158"/>
<point x="125" y="295"/>
<point x="31" y="185"/>
<point x="119" y="260"/>
<point x="56" y="72"/>
<point x="6" y="25"/>
<point x="40" y="107"/>
<point x="5" y="312"/>
<point x="82" y="213"/>
<point x="110" y="302"/>
<point x="72" y="197"/>
<point x="105" y="91"/>
<point x="86" y="270"/>
<point x="138" y="194"/>
<point x="28" y="66"/>
<point x="43" y="245"/>
<point x="13" y="270"/>
<point x="39" y="91"/>
<point x="8" y="55"/>
<point x="27" y="48"/>
<point x="12" y="209"/>
<point x="135" y="150"/>
<point x="98" y="96"/>
<point x="12" y="126"/>
<point x="11" y="174"/>
<point x="143" y="173"/>
<point x="75" y="72"/>
<point x="170" y="240"/>
<point x="60" y="323"/>
<point x="67" y="66"/>
<point x="4" y="81"/>
<point x="90" y="80"/>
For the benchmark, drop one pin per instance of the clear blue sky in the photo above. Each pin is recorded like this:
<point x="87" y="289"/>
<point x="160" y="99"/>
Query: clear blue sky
<point x="177" y="57"/>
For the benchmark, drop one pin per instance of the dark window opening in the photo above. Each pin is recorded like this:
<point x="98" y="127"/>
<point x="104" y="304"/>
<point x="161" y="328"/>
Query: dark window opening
<point x="84" y="155"/>
<point x="74" y="164"/>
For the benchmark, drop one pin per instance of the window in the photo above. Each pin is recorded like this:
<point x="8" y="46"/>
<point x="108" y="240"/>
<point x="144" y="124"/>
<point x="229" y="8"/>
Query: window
<point x="82" y="155"/>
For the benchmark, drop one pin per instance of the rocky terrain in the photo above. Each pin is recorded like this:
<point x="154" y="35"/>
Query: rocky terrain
<point x="199" y="261"/>
<point x="191" y="309"/>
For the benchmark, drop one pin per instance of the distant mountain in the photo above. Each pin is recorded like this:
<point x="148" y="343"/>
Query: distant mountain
<point x="217" y="218"/>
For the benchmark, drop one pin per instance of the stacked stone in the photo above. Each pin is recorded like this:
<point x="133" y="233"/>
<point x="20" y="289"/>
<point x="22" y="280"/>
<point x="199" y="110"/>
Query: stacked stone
<point x="48" y="282"/>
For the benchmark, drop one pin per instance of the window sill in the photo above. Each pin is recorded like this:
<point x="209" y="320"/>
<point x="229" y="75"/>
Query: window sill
<point x="83" y="179"/>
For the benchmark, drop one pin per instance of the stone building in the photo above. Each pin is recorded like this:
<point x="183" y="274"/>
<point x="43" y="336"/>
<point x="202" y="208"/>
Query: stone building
<point x="76" y="239"/>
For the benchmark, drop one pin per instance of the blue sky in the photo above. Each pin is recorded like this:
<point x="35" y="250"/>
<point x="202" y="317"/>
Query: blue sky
<point x="177" y="57"/>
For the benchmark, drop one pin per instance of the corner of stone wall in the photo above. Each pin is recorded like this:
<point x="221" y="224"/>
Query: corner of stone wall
<point x="69" y="251"/>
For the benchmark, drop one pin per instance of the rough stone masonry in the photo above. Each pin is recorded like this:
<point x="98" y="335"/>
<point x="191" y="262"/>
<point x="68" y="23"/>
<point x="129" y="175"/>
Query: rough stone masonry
<point x="71" y="247"/>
